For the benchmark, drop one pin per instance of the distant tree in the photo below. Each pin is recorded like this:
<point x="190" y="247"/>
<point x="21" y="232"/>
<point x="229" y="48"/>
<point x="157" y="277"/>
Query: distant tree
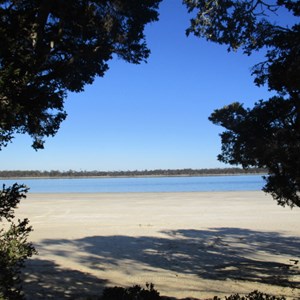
<point x="51" y="47"/>
<point x="268" y="135"/>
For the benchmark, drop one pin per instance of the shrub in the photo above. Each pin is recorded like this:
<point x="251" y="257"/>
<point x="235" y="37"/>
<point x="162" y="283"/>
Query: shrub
<point x="138" y="293"/>
<point x="255" y="295"/>
<point x="14" y="248"/>
<point x="132" y="293"/>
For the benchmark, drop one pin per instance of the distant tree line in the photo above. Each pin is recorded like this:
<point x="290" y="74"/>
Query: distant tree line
<point x="134" y="173"/>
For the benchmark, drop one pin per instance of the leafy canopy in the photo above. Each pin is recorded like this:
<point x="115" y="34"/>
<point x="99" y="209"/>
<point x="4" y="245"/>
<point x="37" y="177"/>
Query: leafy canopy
<point x="268" y="135"/>
<point x="51" y="47"/>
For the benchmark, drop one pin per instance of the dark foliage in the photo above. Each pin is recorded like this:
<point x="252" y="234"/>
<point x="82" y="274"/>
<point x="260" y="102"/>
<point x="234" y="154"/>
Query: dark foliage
<point x="9" y="198"/>
<point x="255" y="295"/>
<point x="265" y="137"/>
<point x="268" y="135"/>
<point x="51" y="47"/>
<point x="138" y="293"/>
<point x="14" y="248"/>
<point x="135" y="292"/>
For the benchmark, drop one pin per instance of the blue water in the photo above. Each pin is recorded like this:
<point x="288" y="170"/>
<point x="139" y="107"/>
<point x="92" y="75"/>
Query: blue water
<point x="149" y="184"/>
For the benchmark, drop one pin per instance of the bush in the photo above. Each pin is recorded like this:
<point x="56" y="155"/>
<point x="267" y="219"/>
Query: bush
<point x="132" y="293"/>
<point x="138" y="293"/>
<point x="14" y="248"/>
<point x="256" y="295"/>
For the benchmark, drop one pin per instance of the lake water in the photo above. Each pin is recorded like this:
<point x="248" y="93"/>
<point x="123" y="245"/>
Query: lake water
<point x="145" y="184"/>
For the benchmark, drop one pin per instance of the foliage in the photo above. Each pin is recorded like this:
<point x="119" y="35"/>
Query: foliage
<point x="268" y="135"/>
<point x="132" y="293"/>
<point x="14" y="248"/>
<point x="265" y="136"/>
<point x="47" y="49"/>
<point x="51" y="47"/>
<point x="255" y="295"/>
<point x="138" y="293"/>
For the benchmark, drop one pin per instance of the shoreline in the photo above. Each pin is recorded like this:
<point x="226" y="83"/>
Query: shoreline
<point x="95" y="195"/>
<point x="136" y="176"/>
<point x="193" y="244"/>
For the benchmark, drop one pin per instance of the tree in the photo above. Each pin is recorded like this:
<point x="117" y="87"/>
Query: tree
<point x="51" y="47"/>
<point x="268" y="135"/>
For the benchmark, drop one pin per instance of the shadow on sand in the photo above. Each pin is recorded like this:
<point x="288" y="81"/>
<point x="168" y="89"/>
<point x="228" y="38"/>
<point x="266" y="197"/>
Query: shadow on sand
<point x="216" y="254"/>
<point x="46" y="280"/>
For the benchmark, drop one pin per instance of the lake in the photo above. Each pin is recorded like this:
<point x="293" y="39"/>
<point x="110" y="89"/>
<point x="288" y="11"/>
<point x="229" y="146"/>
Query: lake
<point x="142" y="184"/>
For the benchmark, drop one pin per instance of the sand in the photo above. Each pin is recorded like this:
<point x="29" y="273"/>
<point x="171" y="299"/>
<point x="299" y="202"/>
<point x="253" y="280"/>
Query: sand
<point x="188" y="244"/>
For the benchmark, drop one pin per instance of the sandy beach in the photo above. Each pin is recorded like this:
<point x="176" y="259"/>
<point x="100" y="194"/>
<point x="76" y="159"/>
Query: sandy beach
<point x="197" y="245"/>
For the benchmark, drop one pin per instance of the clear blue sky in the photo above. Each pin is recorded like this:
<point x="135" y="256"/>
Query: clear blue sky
<point x="148" y="116"/>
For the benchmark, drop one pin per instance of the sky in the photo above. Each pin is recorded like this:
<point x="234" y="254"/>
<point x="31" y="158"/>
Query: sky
<point x="148" y="116"/>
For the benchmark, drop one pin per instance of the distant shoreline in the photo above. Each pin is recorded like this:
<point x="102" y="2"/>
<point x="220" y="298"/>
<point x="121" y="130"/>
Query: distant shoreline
<point x="186" y="172"/>
<point x="126" y="176"/>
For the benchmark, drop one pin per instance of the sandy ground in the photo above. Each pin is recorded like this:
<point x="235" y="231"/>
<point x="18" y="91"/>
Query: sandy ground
<point x="187" y="244"/>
